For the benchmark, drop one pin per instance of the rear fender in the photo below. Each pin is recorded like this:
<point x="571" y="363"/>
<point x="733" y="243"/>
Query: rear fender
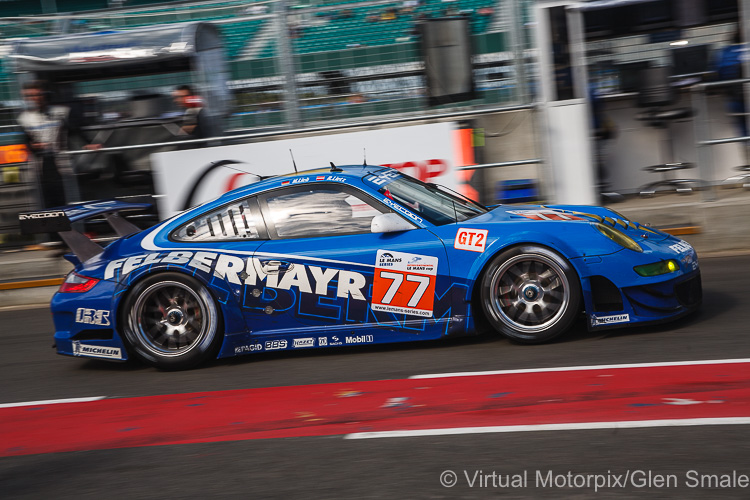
<point x="228" y="302"/>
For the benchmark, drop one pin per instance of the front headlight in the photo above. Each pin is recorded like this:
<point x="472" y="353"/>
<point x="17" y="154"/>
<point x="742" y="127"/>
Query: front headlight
<point x="657" y="268"/>
<point x="619" y="237"/>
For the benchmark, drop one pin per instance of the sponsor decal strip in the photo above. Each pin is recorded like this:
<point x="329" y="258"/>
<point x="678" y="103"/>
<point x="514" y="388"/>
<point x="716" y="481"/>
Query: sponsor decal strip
<point x="601" y="397"/>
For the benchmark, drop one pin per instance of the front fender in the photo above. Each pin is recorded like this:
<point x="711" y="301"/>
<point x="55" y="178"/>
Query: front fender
<point x="571" y="240"/>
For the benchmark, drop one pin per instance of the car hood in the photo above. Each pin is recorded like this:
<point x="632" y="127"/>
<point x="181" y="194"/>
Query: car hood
<point x="571" y="214"/>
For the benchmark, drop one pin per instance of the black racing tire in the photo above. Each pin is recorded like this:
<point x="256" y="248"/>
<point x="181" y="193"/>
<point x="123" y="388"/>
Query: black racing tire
<point x="530" y="294"/>
<point x="171" y="321"/>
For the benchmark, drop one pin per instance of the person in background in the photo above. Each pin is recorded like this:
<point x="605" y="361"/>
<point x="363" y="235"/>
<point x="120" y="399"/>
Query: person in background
<point x="192" y="121"/>
<point x="47" y="129"/>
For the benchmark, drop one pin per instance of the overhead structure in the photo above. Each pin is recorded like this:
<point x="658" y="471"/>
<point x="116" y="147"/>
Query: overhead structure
<point x="196" y="48"/>
<point x="565" y="103"/>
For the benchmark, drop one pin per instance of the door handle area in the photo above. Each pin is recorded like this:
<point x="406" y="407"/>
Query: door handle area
<point x="276" y="266"/>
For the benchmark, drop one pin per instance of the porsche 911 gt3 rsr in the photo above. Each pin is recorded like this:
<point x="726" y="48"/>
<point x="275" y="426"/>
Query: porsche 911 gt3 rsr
<point x="355" y="255"/>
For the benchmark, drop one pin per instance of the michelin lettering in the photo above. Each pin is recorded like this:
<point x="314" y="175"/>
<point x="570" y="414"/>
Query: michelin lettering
<point x="609" y="320"/>
<point x="96" y="351"/>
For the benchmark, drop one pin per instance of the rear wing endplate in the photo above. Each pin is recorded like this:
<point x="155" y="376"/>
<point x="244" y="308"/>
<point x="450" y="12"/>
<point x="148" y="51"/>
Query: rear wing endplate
<point x="59" y="220"/>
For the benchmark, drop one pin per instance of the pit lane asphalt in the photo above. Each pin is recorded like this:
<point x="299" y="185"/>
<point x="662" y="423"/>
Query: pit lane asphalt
<point x="331" y="467"/>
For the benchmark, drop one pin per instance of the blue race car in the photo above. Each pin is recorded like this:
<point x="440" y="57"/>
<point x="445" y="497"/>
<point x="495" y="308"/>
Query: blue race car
<point x="354" y="255"/>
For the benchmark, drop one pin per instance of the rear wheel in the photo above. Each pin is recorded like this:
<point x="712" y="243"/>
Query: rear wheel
<point x="171" y="321"/>
<point x="530" y="294"/>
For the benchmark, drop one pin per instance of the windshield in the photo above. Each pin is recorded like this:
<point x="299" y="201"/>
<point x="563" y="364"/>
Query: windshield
<point x="428" y="201"/>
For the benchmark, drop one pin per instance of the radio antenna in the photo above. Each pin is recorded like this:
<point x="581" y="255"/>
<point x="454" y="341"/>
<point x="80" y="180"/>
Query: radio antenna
<point x="293" y="162"/>
<point x="364" y="153"/>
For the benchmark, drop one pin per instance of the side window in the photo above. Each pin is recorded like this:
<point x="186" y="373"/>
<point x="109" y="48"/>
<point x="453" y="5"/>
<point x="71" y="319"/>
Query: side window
<point x="231" y="222"/>
<point x="323" y="211"/>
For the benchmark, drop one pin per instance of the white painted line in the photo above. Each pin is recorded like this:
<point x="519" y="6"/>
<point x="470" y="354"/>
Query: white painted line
<point x="581" y="368"/>
<point x="629" y="424"/>
<point x="52" y="402"/>
<point x="24" y="307"/>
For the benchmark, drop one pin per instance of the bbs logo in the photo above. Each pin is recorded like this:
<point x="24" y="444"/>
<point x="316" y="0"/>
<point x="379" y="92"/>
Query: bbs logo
<point x="276" y="344"/>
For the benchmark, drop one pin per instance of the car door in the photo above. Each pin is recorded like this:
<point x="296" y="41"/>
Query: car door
<point x="326" y="278"/>
<point x="220" y="242"/>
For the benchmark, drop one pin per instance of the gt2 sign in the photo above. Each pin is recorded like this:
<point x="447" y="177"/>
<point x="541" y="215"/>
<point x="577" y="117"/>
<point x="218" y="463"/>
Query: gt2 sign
<point x="473" y="240"/>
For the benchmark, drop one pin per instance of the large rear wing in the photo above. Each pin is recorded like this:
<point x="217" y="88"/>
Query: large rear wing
<point x="59" y="220"/>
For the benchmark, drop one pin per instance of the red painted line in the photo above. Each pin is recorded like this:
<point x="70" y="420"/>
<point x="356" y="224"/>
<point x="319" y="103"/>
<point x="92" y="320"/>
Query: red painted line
<point x="602" y="395"/>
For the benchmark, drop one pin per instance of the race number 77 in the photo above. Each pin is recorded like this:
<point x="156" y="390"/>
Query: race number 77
<point x="397" y="280"/>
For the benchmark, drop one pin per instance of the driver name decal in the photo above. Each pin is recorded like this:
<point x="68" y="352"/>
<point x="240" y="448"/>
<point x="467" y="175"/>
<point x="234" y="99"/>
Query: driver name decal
<point x="404" y="283"/>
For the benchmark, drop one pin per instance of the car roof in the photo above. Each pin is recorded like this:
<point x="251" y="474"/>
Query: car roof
<point x="349" y="172"/>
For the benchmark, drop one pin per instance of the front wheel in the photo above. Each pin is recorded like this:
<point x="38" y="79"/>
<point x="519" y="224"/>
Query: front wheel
<point x="171" y="321"/>
<point x="530" y="294"/>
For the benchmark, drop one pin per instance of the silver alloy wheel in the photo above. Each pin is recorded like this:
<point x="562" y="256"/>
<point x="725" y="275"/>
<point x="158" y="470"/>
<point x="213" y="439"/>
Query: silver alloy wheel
<point x="170" y="318"/>
<point x="529" y="293"/>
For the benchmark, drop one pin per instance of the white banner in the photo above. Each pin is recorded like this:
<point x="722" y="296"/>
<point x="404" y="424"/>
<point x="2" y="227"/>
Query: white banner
<point x="426" y="152"/>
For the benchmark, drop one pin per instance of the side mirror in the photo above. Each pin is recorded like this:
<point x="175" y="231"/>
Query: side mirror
<point x="389" y="223"/>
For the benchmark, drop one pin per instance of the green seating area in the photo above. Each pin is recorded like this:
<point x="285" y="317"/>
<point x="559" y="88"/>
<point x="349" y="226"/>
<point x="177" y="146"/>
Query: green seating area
<point x="237" y="35"/>
<point x="337" y="25"/>
<point x="372" y="25"/>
